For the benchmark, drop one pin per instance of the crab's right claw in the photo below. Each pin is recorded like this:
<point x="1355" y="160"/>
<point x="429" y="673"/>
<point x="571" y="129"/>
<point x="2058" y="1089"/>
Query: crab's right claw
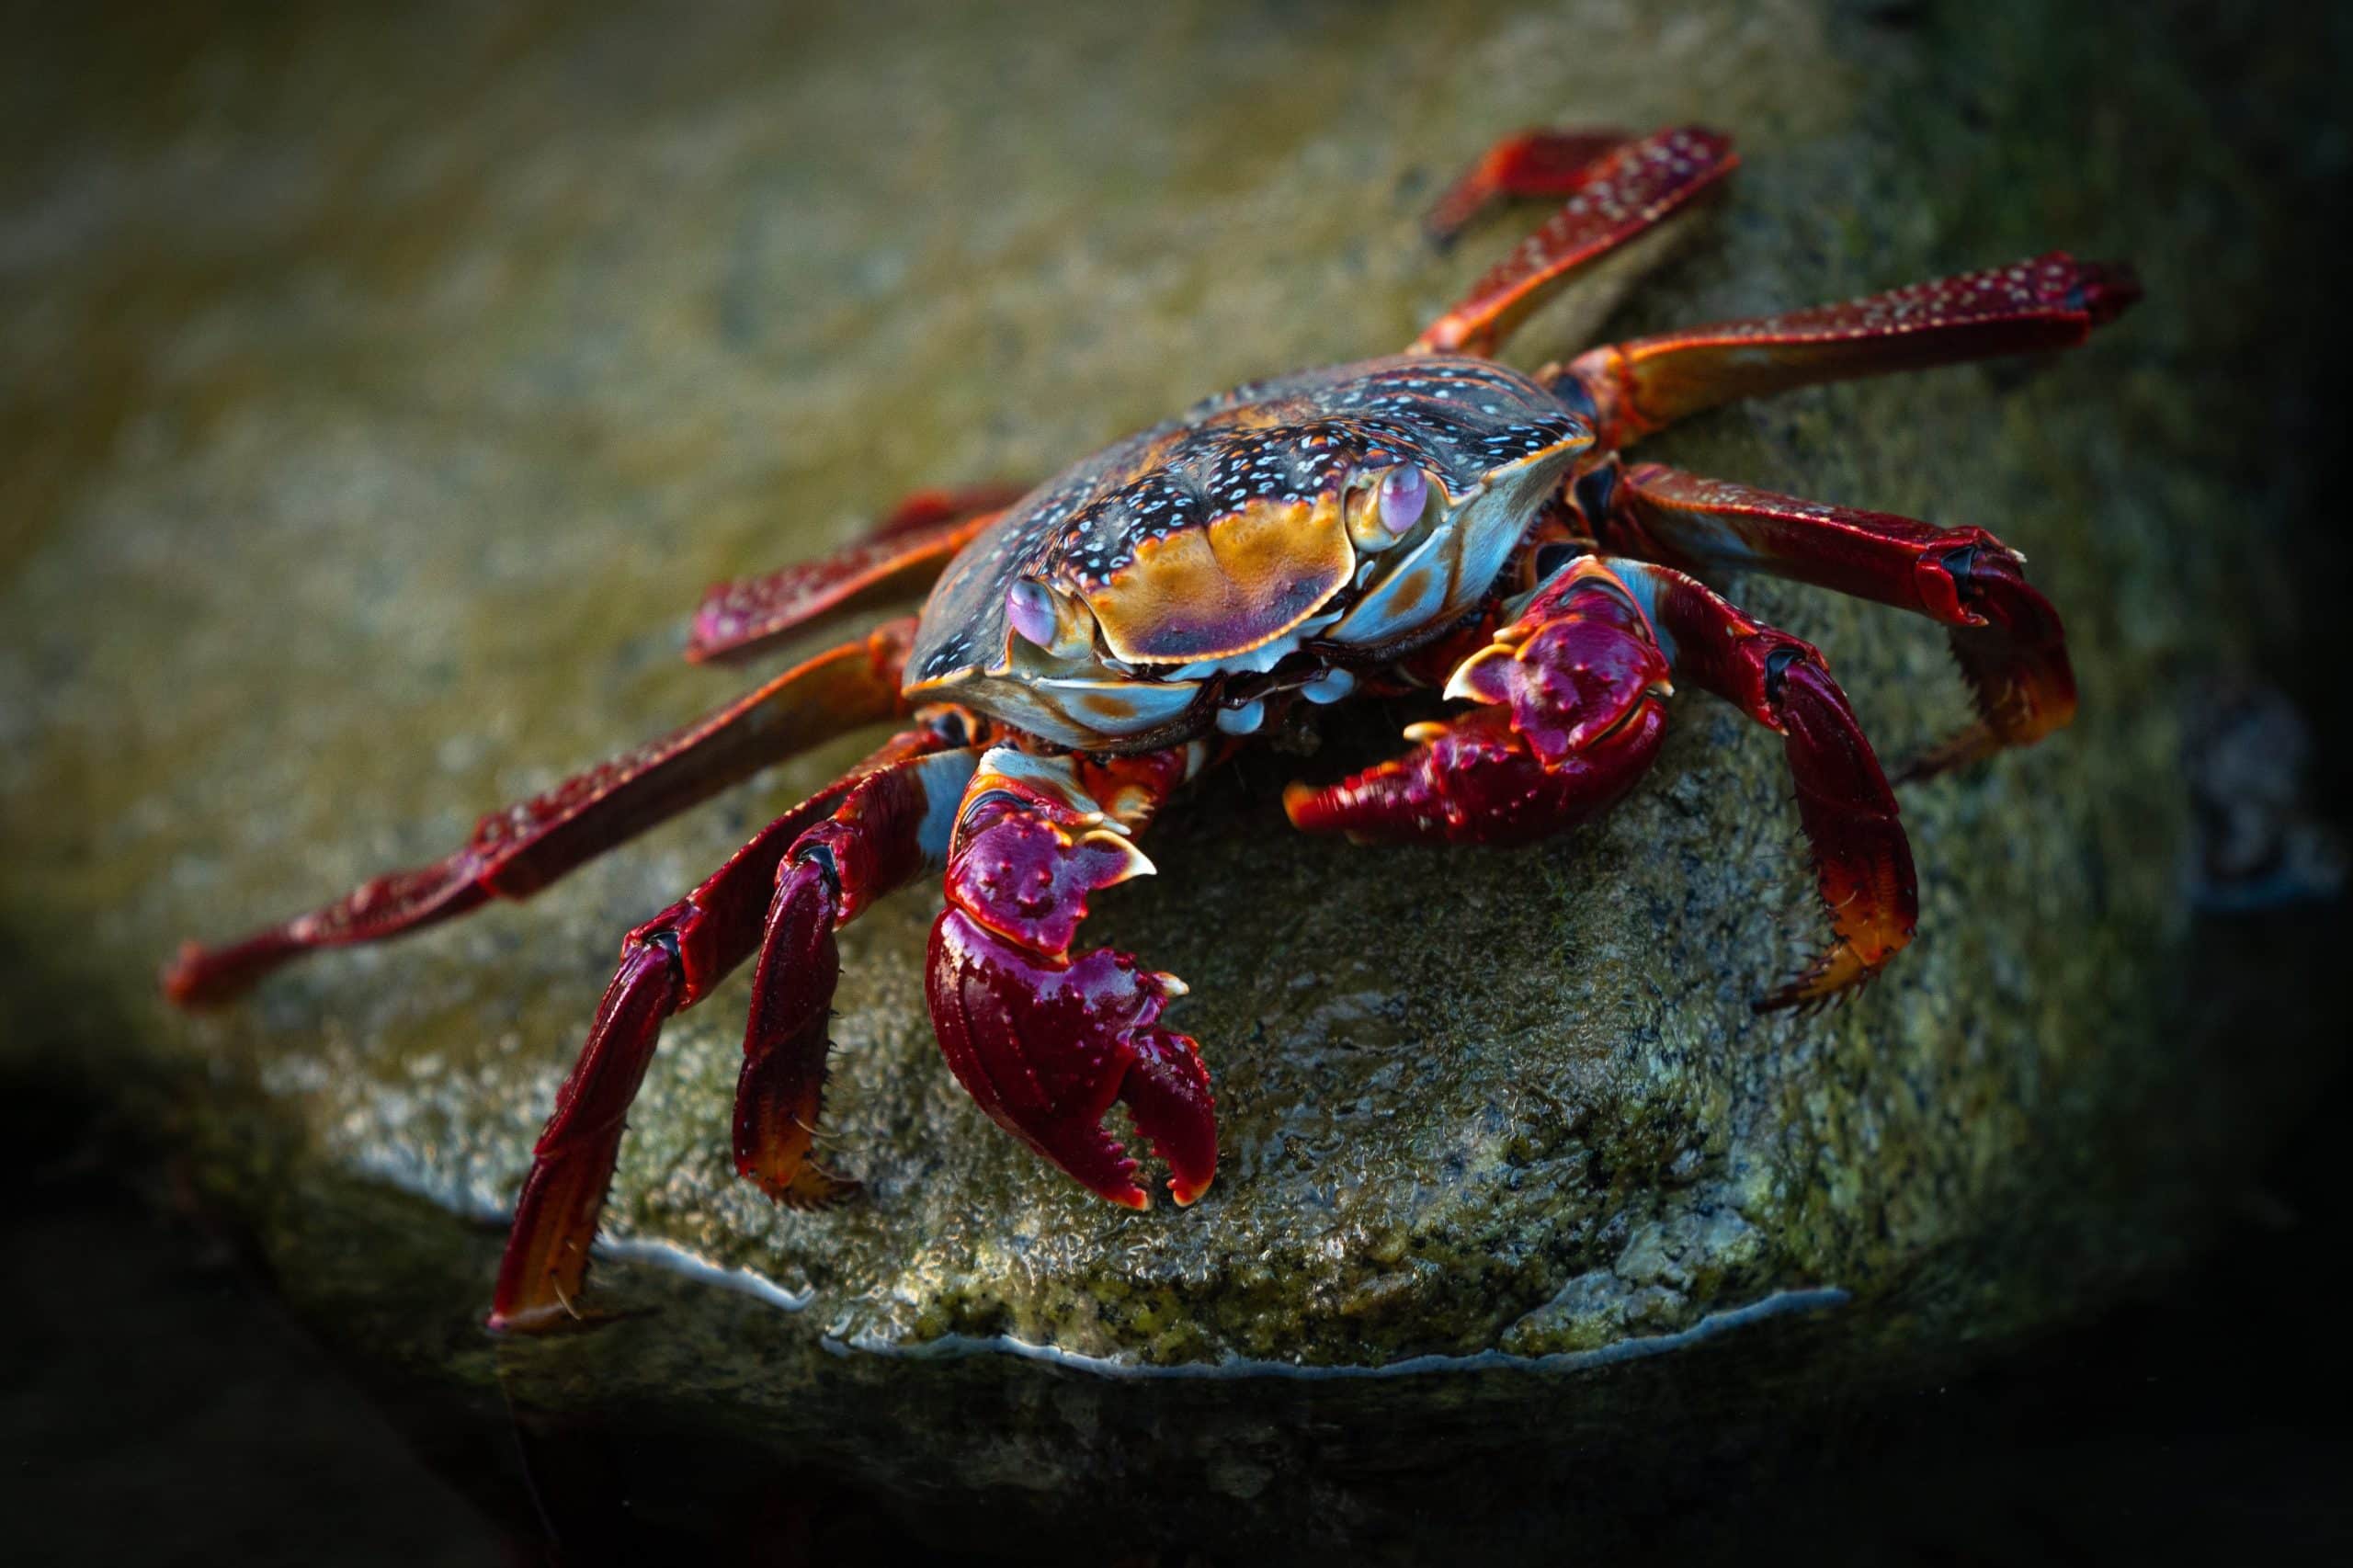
<point x="1046" y="1042"/>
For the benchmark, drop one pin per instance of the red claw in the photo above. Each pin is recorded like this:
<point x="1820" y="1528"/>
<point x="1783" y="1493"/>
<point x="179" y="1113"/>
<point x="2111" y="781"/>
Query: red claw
<point x="1570" y="718"/>
<point x="1475" y="779"/>
<point x="1047" y="1044"/>
<point x="1571" y="668"/>
<point x="1027" y="878"/>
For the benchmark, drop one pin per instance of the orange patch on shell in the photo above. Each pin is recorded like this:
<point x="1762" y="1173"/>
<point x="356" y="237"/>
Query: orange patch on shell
<point x="1244" y="580"/>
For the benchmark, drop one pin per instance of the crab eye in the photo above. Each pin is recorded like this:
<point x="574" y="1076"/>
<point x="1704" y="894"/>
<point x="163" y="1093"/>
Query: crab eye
<point x="1387" y="503"/>
<point x="1030" y="611"/>
<point x="1404" y="491"/>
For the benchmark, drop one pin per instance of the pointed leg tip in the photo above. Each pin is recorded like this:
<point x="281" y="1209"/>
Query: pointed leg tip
<point x="1319" y="808"/>
<point x="2108" y="290"/>
<point x="534" y="1319"/>
<point x="1798" y="998"/>
<point x="1187" y="1193"/>
<point x="1962" y="751"/>
<point x="198" y="976"/>
<point x="179" y="978"/>
<point x="562" y="1318"/>
<point x="1832" y="977"/>
<point x="1797" y="994"/>
<point x="807" y="1189"/>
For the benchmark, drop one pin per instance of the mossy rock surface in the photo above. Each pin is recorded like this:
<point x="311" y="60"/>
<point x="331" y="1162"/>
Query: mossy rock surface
<point x="383" y="393"/>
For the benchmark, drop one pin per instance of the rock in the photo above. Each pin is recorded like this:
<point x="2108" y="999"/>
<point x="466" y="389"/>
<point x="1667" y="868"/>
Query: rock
<point x="371" y="438"/>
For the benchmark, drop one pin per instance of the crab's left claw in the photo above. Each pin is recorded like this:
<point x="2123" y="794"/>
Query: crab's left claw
<point x="1044" y="1041"/>
<point x="1568" y="719"/>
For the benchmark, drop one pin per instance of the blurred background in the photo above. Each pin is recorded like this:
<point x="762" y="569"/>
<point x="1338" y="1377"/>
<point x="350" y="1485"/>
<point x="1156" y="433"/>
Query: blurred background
<point x="379" y="386"/>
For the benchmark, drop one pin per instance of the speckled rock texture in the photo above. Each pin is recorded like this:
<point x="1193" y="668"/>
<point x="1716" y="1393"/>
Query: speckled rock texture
<point x="379" y="392"/>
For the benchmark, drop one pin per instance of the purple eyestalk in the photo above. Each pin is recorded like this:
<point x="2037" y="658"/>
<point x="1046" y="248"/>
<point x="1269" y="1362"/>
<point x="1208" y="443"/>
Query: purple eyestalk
<point x="1405" y="491"/>
<point x="1031" y="610"/>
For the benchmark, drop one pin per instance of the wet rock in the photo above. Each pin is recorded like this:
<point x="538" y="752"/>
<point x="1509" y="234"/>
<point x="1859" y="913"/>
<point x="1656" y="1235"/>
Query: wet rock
<point x="371" y="437"/>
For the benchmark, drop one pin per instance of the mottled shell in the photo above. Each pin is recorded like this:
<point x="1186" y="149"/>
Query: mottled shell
<point x="1223" y="530"/>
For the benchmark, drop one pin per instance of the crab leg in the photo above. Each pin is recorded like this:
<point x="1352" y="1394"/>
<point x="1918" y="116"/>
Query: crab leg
<point x="1044" y="1041"/>
<point x="1612" y="199"/>
<point x="1862" y="860"/>
<point x="667" y="964"/>
<point x="2044" y="303"/>
<point x="901" y="555"/>
<point x="2006" y="637"/>
<point x="1569" y="717"/>
<point x="518" y="850"/>
<point x="1539" y="162"/>
<point x="891" y="825"/>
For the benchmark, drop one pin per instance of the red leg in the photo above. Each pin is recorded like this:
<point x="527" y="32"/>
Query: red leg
<point x="2049" y="302"/>
<point x="1568" y="718"/>
<point x="904" y="554"/>
<point x="1046" y="1042"/>
<point x="2006" y="637"/>
<point x="1862" y="860"/>
<point x="930" y="508"/>
<point x="518" y="850"/>
<point x="891" y="825"/>
<point x="1615" y="199"/>
<point x="667" y="964"/>
<point x="1527" y="162"/>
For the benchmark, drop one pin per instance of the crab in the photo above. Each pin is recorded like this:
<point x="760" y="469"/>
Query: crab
<point x="1434" y="518"/>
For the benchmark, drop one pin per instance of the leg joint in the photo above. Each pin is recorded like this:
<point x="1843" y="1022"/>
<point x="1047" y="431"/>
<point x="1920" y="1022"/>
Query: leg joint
<point x="667" y="941"/>
<point x="814" y="850"/>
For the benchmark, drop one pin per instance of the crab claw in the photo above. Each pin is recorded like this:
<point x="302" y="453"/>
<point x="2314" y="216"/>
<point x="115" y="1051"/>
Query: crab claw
<point x="1475" y="779"/>
<point x="1046" y="1042"/>
<point x="1568" y="719"/>
<point x="1575" y="665"/>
